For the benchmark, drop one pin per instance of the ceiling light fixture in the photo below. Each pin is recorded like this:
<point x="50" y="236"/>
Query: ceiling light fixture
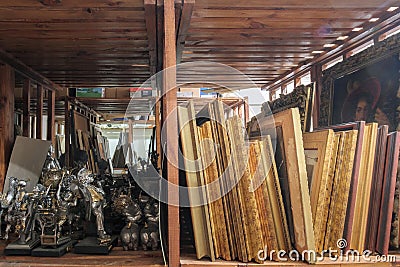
<point x="341" y="38"/>
<point x="139" y="65"/>
<point x="357" y="29"/>
<point x="392" y="8"/>
<point x="373" y="19"/>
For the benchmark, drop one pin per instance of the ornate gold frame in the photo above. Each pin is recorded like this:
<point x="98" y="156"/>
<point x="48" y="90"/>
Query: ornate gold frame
<point x="367" y="57"/>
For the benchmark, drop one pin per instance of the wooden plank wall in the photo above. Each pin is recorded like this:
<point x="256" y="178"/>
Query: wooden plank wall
<point x="6" y="118"/>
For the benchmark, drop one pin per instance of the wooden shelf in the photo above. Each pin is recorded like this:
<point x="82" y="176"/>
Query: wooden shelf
<point x="117" y="257"/>
<point x="191" y="261"/>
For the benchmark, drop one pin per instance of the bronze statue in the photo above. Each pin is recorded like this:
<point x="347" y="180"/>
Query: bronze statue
<point x="93" y="195"/>
<point x="129" y="235"/>
<point x="6" y="201"/>
<point x="149" y="234"/>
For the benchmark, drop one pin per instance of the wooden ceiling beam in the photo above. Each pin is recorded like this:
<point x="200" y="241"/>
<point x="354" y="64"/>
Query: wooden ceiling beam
<point x="160" y="36"/>
<point x="27" y="71"/>
<point x="151" y="27"/>
<point x="183" y="28"/>
<point x="267" y="24"/>
<point x="278" y="5"/>
<point x="286" y="13"/>
<point x="73" y="4"/>
<point x="388" y="22"/>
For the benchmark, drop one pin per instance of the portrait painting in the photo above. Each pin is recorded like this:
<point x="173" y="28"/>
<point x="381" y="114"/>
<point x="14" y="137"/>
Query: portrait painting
<point x="369" y="94"/>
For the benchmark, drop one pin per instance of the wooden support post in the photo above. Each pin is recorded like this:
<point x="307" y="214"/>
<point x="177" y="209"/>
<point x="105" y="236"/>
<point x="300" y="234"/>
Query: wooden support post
<point x="51" y="114"/>
<point x="33" y="124"/>
<point x="130" y="141"/>
<point x="171" y="130"/>
<point x="26" y="107"/>
<point x="297" y="81"/>
<point x="316" y="76"/>
<point x="67" y="131"/>
<point x="39" y="112"/>
<point x="7" y="83"/>
<point x="157" y="114"/>
<point x="246" y="110"/>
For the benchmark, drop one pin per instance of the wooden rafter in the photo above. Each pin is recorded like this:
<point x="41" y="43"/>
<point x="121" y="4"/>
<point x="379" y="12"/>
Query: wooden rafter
<point x="27" y="71"/>
<point x="183" y="27"/>
<point x="151" y="27"/>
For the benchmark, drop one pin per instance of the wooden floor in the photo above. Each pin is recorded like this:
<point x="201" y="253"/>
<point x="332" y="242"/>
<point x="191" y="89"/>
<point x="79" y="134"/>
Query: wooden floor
<point x="117" y="257"/>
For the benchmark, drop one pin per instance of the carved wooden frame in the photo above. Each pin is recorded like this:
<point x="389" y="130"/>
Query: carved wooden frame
<point x="360" y="127"/>
<point x="321" y="183"/>
<point x="289" y="121"/>
<point x="302" y="97"/>
<point x="388" y="191"/>
<point x="195" y="178"/>
<point x="371" y="55"/>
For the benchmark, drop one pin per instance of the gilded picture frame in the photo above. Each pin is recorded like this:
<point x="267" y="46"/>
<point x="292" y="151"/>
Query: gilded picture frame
<point x="290" y="160"/>
<point x="319" y="150"/>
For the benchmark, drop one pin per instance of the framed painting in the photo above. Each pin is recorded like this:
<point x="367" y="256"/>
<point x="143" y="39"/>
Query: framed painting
<point x="364" y="87"/>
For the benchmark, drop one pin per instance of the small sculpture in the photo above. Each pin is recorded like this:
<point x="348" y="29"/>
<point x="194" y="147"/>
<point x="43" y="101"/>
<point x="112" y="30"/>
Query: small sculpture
<point x="94" y="201"/>
<point x="6" y="201"/>
<point x="53" y="208"/>
<point x="129" y="235"/>
<point x="18" y="213"/>
<point x="50" y="163"/>
<point x="149" y="234"/>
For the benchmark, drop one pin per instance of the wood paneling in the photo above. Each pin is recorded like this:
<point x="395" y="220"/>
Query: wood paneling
<point x="275" y="33"/>
<point x="6" y="118"/>
<point x="83" y="36"/>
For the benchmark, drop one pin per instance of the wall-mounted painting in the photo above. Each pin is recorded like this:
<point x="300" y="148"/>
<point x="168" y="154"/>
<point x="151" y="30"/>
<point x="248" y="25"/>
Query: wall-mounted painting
<point x="364" y="87"/>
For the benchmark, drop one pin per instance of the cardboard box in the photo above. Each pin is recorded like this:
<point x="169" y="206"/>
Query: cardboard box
<point x="122" y="92"/>
<point x="140" y="92"/>
<point x="111" y="93"/>
<point x="184" y="94"/>
<point x="207" y="93"/>
<point x="95" y="92"/>
<point x="189" y="92"/>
